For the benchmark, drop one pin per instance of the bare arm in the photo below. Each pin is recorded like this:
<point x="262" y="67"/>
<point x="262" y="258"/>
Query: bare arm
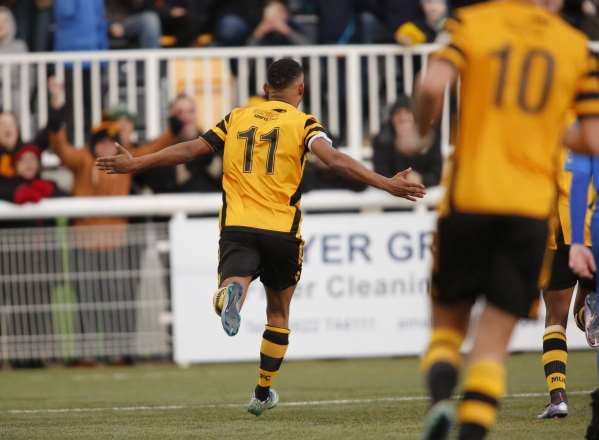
<point x="428" y="102"/>
<point x="182" y="152"/>
<point x="584" y="137"/>
<point x="348" y="167"/>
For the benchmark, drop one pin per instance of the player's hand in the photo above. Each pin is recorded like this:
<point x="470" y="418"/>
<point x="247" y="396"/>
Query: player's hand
<point x="582" y="261"/>
<point x="123" y="163"/>
<point x="400" y="185"/>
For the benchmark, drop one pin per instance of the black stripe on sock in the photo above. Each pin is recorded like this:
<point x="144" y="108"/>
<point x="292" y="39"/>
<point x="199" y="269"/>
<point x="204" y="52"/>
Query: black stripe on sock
<point x="481" y="397"/>
<point x="261" y="392"/>
<point x="555" y="367"/>
<point x="268" y="363"/>
<point x="554" y="344"/>
<point x="276" y="338"/>
<point x="472" y="431"/>
<point x="442" y="378"/>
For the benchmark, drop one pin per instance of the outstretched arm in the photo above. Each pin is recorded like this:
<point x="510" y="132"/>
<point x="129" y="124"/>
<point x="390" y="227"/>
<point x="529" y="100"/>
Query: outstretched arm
<point x="125" y="163"/>
<point x="344" y="165"/>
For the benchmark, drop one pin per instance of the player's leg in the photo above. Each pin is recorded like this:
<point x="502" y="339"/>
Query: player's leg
<point x="460" y="263"/>
<point x="557" y="298"/>
<point x="239" y="263"/>
<point x="555" y="350"/>
<point x="441" y="361"/>
<point x="275" y="339"/>
<point x="484" y="383"/>
<point x="281" y="270"/>
<point x="520" y="261"/>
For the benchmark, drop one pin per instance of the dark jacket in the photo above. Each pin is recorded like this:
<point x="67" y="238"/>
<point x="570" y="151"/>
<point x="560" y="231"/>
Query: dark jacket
<point x="388" y="161"/>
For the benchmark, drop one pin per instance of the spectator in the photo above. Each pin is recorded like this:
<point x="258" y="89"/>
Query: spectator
<point x="205" y="171"/>
<point x="185" y="20"/>
<point x="10" y="45"/>
<point x="8" y="31"/>
<point x="27" y="186"/>
<point x="277" y="28"/>
<point x="159" y="180"/>
<point x="80" y="25"/>
<point x="389" y="156"/>
<point x="81" y="160"/>
<point x="34" y="18"/>
<point x="425" y="30"/>
<point x="590" y="19"/>
<point x="10" y="140"/>
<point x="101" y="243"/>
<point x="235" y="20"/>
<point x="135" y="20"/>
<point x="361" y="21"/>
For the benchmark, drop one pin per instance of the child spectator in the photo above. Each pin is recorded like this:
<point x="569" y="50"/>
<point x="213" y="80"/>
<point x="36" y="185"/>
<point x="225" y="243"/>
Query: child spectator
<point x="426" y="30"/>
<point x="389" y="155"/>
<point x="27" y="186"/>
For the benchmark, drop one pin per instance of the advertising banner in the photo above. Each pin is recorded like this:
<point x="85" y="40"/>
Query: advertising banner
<point x="363" y="292"/>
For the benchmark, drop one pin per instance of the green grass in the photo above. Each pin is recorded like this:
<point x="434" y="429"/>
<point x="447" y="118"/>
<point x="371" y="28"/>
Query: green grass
<point x="189" y="393"/>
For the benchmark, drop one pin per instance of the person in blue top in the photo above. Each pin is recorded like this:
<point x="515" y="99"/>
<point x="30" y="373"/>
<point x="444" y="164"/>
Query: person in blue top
<point x="585" y="169"/>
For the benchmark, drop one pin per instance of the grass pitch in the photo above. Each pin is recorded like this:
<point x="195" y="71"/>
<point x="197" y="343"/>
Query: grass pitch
<point x="367" y="399"/>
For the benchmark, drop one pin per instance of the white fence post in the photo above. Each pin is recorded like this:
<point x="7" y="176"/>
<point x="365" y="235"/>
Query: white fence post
<point x="354" y="104"/>
<point x="152" y="96"/>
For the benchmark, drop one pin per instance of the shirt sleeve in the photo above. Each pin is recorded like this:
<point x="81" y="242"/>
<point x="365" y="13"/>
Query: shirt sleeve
<point x="217" y="136"/>
<point x="586" y="101"/>
<point x="578" y="205"/>
<point x="579" y="163"/>
<point x="314" y="130"/>
<point x="455" y="40"/>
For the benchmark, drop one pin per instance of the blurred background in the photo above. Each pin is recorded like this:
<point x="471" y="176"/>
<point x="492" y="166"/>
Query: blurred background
<point x="98" y="269"/>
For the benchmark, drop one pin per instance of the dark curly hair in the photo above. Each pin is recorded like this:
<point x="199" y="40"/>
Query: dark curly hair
<point x="282" y="73"/>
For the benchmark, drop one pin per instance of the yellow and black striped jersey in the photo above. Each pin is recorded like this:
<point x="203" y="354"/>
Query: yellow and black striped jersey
<point x="264" y="151"/>
<point x="522" y="68"/>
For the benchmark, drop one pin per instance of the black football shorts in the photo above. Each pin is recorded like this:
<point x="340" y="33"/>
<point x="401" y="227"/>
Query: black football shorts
<point x="275" y="258"/>
<point x="500" y="258"/>
<point x="562" y="277"/>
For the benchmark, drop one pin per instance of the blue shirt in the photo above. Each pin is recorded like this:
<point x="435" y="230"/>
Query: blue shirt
<point x="584" y="169"/>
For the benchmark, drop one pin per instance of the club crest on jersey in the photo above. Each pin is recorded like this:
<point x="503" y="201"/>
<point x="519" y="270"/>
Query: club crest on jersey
<point x="265" y="115"/>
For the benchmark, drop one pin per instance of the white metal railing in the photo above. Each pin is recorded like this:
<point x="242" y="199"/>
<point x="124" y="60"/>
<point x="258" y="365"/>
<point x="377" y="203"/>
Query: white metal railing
<point x="201" y="204"/>
<point x="83" y="292"/>
<point x="348" y="87"/>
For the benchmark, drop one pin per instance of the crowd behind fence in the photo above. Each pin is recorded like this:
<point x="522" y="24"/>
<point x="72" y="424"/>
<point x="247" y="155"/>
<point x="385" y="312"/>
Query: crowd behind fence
<point x="64" y="299"/>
